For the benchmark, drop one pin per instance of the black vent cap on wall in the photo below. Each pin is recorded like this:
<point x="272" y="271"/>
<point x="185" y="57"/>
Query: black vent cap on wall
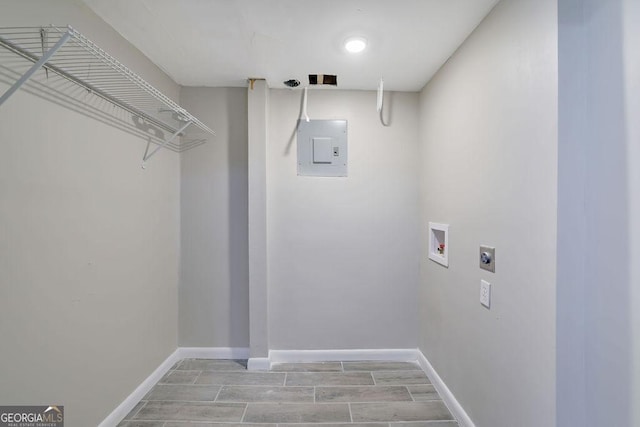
<point x="323" y="79"/>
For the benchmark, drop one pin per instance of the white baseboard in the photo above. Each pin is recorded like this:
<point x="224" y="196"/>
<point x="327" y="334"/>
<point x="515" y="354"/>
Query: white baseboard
<point x="301" y="356"/>
<point x="288" y="356"/>
<point x="132" y="400"/>
<point x="306" y="356"/>
<point x="449" y="399"/>
<point x="213" y="352"/>
<point x="180" y="353"/>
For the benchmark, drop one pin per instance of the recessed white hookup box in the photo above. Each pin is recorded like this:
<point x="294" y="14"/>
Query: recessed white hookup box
<point x="439" y="243"/>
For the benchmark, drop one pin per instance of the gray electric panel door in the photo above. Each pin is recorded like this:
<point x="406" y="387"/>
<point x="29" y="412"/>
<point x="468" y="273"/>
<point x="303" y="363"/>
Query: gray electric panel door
<point x="322" y="148"/>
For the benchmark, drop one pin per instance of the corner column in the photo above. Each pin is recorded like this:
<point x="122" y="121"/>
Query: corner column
<point x="258" y="103"/>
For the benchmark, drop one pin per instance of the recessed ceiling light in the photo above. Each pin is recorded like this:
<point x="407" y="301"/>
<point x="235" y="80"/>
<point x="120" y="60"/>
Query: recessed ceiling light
<point x="355" y="44"/>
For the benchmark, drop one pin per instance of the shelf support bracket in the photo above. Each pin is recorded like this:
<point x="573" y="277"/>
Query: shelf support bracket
<point x="35" y="67"/>
<point x="147" y="156"/>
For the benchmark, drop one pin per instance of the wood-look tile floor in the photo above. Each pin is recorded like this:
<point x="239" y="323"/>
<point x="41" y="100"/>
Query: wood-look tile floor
<point x="222" y="393"/>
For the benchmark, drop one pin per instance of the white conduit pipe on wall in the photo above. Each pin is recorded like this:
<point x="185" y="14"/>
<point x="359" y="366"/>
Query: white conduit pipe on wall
<point x="381" y="101"/>
<point x="304" y="106"/>
<point x="380" y="94"/>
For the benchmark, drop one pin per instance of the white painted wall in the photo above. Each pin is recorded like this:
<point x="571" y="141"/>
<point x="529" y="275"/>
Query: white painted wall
<point x="214" y="282"/>
<point x="343" y="252"/>
<point x="488" y="131"/>
<point x="599" y="237"/>
<point x="88" y="243"/>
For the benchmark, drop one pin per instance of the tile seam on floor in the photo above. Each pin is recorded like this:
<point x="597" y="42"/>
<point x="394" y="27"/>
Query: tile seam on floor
<point x="452" y="421"/>
<point x="197" y="377"/>
<point x="410" y="394"/>
<point x="308" y="403"/>
<point x="194" y="401"/>
<point x="244" y="413"/>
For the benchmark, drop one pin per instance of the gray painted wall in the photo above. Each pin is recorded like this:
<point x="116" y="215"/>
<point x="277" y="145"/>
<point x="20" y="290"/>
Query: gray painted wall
<point x="488" y="130"/>
<point x="598" y="234"/>
<point x="343" y="252"/>
<point x="89" y="248"/>
<point x="214" y="282"/>
<point x="88" y="243"/>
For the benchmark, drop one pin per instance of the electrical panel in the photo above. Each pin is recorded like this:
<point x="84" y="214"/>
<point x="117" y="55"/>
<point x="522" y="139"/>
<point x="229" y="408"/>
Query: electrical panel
<point x="322" y="148"/>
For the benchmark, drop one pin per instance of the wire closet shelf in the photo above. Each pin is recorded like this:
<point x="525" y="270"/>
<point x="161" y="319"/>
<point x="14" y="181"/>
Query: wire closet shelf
<point x="66" y="53"/>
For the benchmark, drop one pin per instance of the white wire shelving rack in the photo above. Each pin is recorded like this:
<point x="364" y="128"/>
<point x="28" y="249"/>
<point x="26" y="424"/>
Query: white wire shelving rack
<point x="62" y="60"/>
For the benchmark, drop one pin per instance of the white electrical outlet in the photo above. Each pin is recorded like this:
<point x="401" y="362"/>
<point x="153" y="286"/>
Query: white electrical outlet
<point x="485" y="293"/>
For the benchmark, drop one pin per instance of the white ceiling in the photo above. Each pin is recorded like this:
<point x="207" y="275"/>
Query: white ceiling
<point x="224" y="42"/>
